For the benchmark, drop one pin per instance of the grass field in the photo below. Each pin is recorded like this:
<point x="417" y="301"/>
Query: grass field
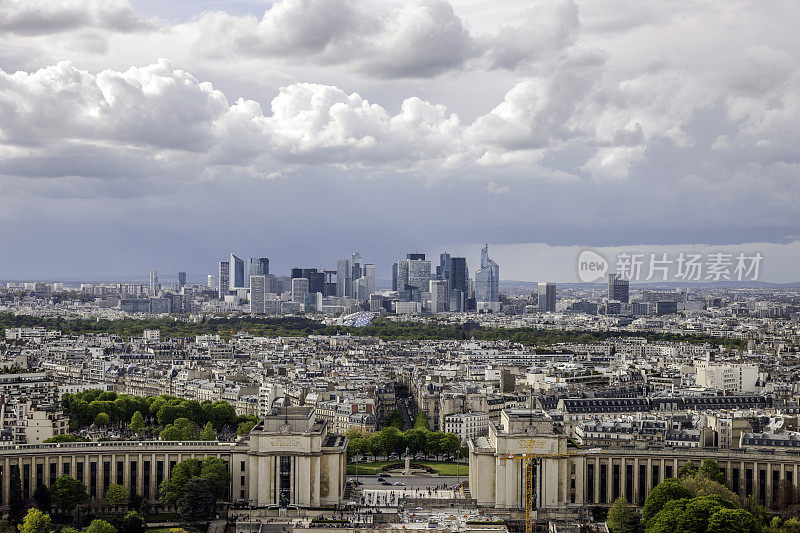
<point x="373" y="468"/>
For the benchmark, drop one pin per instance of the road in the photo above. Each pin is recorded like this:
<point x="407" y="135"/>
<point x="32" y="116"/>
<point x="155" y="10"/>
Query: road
<point x="407" y="421"/>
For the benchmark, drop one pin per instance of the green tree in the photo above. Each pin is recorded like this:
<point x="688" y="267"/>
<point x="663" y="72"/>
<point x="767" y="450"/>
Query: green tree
<point x="421" y="421"/>
<point x="433" y="442"/>
<point x="42" y="498"/>
<point x="137" y="422"/>
<point x="16" y="507"/>
<point x="35" y="522"/>
<point x="197" y="501"/>
<point x="694" y="518"/>
<point x="396" y="420"/>
<point x="451" y="444"/>
<point x="687" y="470"/>
<point x="214" y="471"/>
<point x="68" y="493"/>
<point x="667" y="490"/>
<point x="116" y="495"/>
<point x="245" y="427"/>
<point x="622" y="518"/>
<point x="666" y="520"/>
<point x="100" y="526"/>
<point x="416" y="440"/>
<point x="208" y="432"/>
<point x="65" y="437"/>
<point x="170" y="433"/>
<point x="710" y="470"/>
<point x="733" y="521"/>
<point x="131" y="523"/>
<point x="102" y="420"/>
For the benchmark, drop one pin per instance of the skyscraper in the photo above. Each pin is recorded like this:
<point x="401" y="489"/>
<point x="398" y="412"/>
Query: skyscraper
<point x="343" y="279"/>
<point x="153" y="283"/>
<point x="618" y="288"/>
<point x="365" y="285"/>
<point x="355" y="269"/>
<point x="257" y="293"/>
<point x="256" y="267"/>
<point x="487" y="283"/>
<point x="547" y="297"/>
<point x="211" y="281"/>
<point x="224" y="273"/>
<point x="443" y="270"/>
<point x="439" y="295"/>
<point x="299" y="290"/>
<point x="181" y="279"/>
<point x="236" y="278"/>
<point x="459" y="275"/>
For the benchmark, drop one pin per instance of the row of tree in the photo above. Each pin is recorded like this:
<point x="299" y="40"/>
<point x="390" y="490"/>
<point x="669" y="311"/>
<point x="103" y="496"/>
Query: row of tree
<point x="105" y="408"/>
<point x="37" y="521"/>
<point x="302" y="326"/>
<point x="391" y="440"/>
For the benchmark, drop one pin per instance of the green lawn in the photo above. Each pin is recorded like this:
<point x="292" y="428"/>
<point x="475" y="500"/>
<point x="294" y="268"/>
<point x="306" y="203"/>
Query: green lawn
<point x="373" y="467"/>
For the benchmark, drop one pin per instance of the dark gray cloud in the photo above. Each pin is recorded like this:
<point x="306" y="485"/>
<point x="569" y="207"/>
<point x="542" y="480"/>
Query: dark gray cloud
<point x="596" y="132"/>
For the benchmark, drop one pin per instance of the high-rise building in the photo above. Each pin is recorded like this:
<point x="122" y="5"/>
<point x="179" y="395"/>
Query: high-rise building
<point x="153" y="283"/>
<point x="343" y="279"/>
<point x="224" y="273"/>
<point x="258" y="291"/>
<point x="181" y="279"/>
<point x="394" y="276"/>
<point x="299" y="290"/>
<point x="443" y="270"/>
<point x="365" y="285"/>
<point x="458" y="275"/>
<point x="355" y="269"/>
<point x="211" y="283"/>
<point x="487" y="283"/>
<point x="439" y="295"/>
<point x="256" y="267"/>
<point x="618" y="288"/>
<point x="236" y="276"/>
<point x="547" y="297"/>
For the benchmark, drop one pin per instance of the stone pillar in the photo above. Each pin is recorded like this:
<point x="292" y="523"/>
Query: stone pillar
<point x="768" y="486"/>
<point x="597" y="480"/>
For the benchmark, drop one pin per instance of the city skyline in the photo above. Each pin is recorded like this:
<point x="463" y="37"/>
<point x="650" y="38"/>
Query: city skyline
<point x="438" y="138"/>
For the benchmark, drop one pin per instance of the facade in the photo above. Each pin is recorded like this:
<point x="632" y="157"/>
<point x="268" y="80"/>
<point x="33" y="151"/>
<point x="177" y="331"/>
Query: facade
<point x="727" y="376"/>
<point x="181" y="279"/>
<point x="299" y="290"/>
<point x="258" y="293"/>
<point x="236" y="276"/>
<point x="467" y="425"/>
<point x="618" y="288"/>
<point x="567" y="479"/>
<point x="440" y="297"/>
<point x="224" y="278"/>
<point x="487" y="283"/>
<point x="288" y="459"/>
<point x="547" y="297"/>
<point x="256" y="267"/>
<point x="153" y="283"/>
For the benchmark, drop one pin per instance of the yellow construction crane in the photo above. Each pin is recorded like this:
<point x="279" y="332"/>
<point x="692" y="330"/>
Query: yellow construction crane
<point x="530" y="461"/>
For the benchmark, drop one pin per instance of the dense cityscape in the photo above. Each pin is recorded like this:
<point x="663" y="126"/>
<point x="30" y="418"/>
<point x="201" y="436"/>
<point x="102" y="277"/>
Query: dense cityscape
<point x="448" y="400"/>
<point x="393" y="266"/>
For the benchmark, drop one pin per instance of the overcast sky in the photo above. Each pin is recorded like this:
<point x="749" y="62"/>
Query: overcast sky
<point x="166" y="134"/>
